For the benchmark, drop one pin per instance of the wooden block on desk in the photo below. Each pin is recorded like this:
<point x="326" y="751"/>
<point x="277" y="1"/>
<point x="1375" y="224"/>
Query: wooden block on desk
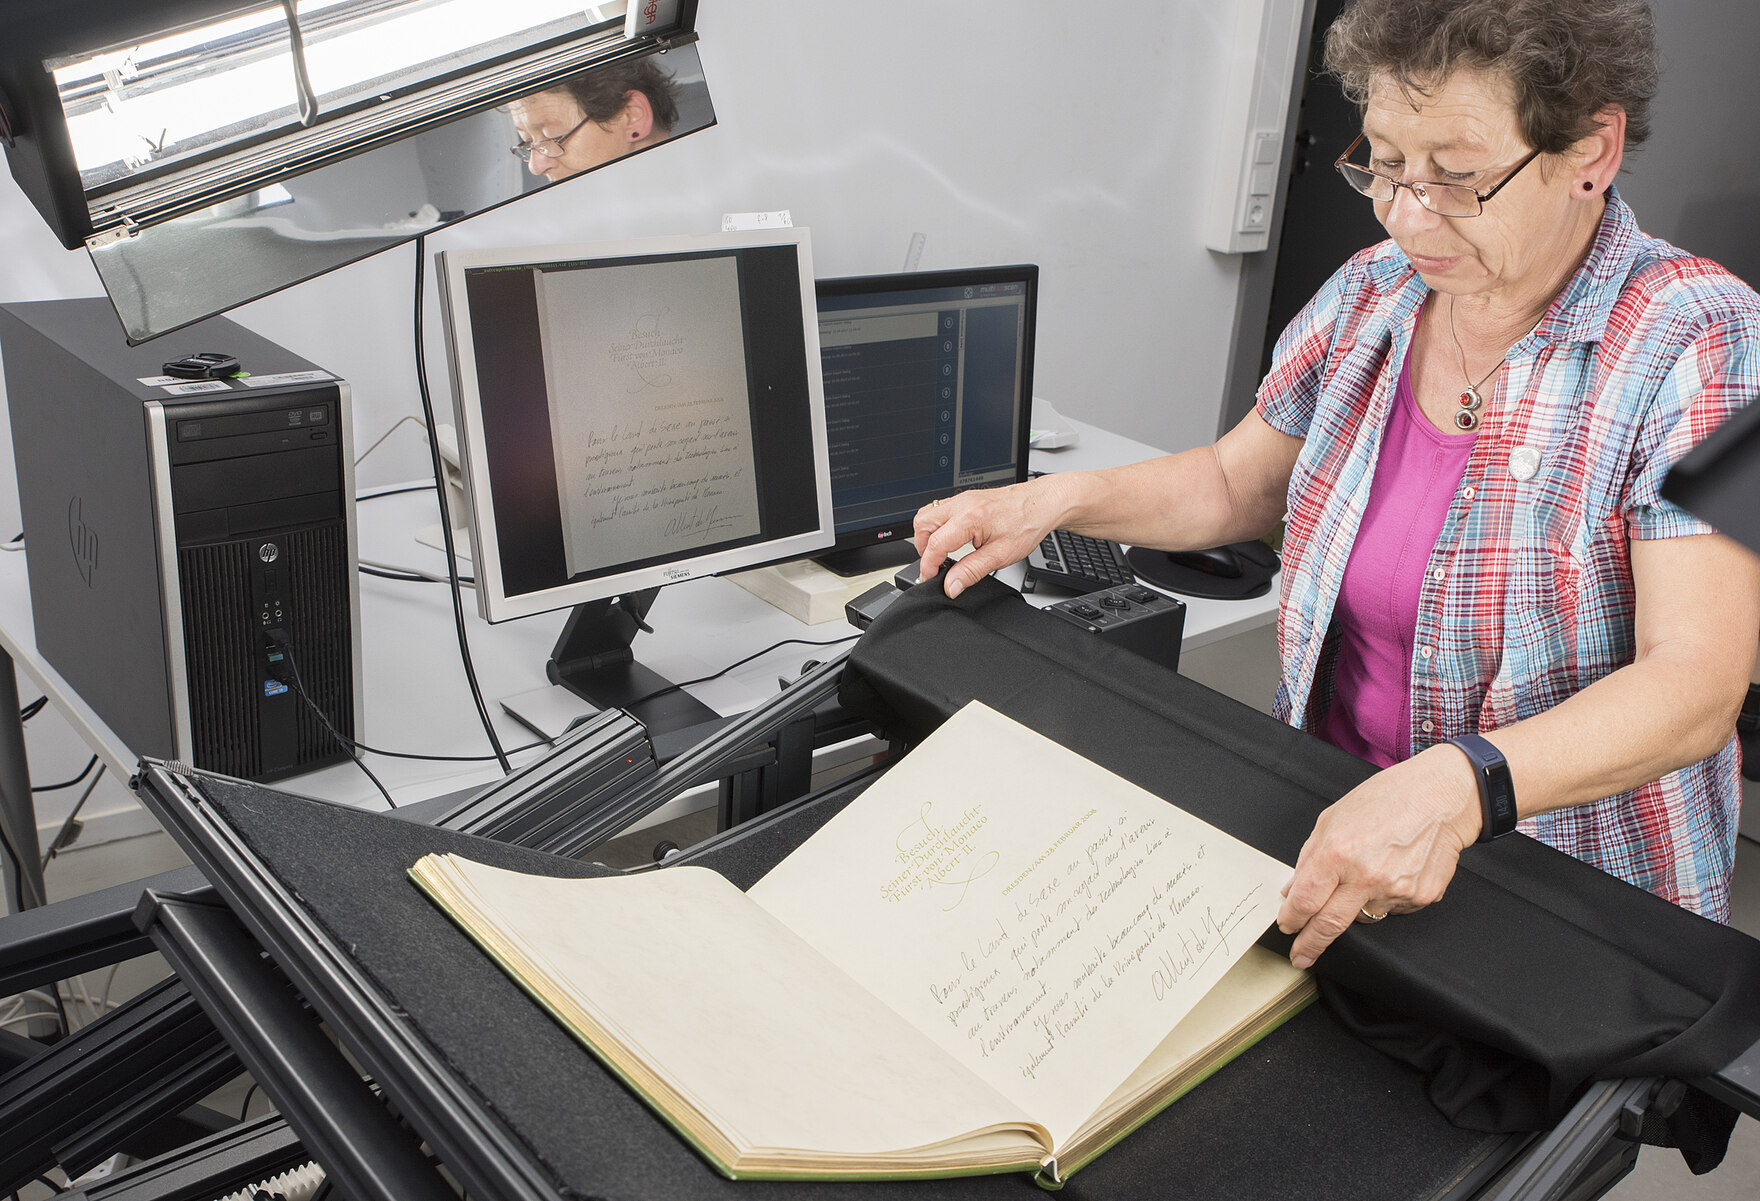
<point x="806" y="591"/>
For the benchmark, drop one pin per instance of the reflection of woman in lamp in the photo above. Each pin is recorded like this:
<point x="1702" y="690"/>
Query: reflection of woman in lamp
<point x="594" y="117"/>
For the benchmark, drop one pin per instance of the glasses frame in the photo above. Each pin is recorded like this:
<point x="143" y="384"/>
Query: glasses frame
<point x="1417" y="186"/>
<point x="524" y="151"/>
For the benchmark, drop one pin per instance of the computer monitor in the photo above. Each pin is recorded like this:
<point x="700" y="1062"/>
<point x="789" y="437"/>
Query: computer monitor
<point x="928" y="391"/>
<point x="630" y="415"/>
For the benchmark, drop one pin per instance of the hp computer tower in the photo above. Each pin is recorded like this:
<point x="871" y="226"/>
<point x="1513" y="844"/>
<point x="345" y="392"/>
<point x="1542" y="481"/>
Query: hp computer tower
<point x="190" y="543"/>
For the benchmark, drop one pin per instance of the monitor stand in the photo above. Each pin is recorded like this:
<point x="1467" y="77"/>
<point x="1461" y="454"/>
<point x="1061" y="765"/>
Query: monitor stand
<point x="873" y="556"/>
<point x="593" y="660"/>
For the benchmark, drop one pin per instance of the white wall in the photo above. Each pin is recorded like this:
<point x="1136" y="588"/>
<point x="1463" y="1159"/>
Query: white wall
<point x="1002" y="130"/>
<point x="998" y="130"/>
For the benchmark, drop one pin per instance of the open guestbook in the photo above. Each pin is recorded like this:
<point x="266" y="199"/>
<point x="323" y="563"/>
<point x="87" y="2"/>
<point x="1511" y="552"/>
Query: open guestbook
<point x="999" y="957"/>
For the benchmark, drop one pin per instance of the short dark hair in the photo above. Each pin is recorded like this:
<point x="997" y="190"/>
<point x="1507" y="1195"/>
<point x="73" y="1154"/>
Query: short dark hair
<point x="1565" y="60"/>
<point x="603" y="92"/>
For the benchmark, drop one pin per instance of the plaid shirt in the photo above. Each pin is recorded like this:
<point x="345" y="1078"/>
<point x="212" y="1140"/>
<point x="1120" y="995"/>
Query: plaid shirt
<point x="1527" y="596"/>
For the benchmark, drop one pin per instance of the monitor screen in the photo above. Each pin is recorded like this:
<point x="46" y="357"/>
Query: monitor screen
<point x="635" y="414"/>
<point x="928" y="391"/>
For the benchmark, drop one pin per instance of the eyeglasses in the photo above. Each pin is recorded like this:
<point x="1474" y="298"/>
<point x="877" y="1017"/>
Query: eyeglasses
<point x="548" y="147"/>
<point x="1444" y="199"/>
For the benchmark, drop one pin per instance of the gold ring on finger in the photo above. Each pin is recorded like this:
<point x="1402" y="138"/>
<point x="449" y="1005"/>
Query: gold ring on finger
<point x="1372" y="917"/>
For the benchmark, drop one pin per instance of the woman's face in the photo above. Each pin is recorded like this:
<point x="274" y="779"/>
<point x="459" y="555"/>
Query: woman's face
<point x="546" y="116"/>
<point x="1465" y="132"/>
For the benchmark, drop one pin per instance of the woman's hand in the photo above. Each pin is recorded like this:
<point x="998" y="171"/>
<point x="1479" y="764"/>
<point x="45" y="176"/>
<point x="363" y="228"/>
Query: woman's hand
<point x="1002" y="524"/>
<point x="1388" y="846"/>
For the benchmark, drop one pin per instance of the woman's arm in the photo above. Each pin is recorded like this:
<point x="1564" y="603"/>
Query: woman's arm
<point x="1390" y="844"/>
<point x="1203" y="497"/>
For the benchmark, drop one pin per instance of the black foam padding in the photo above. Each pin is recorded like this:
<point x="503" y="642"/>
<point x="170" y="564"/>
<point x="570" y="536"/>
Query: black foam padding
<point x="1535" y="974"/>
<point x="591" y="1135"/>
<point x="1288" y="1114"/>
<point x="1308" y="1111"/>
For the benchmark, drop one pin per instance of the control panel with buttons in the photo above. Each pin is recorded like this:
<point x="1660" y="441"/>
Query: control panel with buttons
<point x="1131" y="616"/>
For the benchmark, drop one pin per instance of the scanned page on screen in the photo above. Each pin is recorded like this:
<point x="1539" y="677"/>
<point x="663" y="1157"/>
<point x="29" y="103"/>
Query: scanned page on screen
<point x="646" y="370"/>
<point x="1043" y="920"/>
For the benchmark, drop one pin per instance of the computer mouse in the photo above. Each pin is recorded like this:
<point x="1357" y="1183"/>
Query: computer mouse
<point x="1220" y="561"/>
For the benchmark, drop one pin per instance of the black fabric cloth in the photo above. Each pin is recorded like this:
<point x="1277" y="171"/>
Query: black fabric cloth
<point x="1534" y="975"/>
<point x="1308" y="1111"/>
<point x="1699" y="1128"/>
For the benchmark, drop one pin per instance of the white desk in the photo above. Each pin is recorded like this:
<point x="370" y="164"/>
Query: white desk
<point x="1207" y="621"/>
<point x="416" y="697"/>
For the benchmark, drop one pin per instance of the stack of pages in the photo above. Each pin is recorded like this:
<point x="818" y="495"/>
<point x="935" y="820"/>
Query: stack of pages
<point x="1000" y="957"/>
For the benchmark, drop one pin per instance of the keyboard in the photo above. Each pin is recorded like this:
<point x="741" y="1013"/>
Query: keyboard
<point x="1077" y="562"/>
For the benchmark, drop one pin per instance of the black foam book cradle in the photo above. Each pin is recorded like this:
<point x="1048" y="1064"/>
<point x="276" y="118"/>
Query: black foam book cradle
<point x="1535" y="974"/>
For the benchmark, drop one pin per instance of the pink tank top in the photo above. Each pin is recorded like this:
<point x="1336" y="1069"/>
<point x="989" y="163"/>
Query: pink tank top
<point x="1416" y="477"/>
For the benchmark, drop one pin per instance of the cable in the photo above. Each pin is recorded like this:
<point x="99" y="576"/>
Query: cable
<point x="17" y="861"/>
<point x="90" y="763"/>
<point x="55" y="843"/>
<point x="391" y="571"/>
<point x="374" y="750"/>
<point x="352" y="744"/>
<point x="464" y="646"/>
<point x="408" y="417"/>
<point x="32" y="709"/>
<point x="18" y="1015"/>
<point x="396" y="491"/>
<point x="345" y="740"/>
<point x="246" y="1107"/>
<point x="24" y="1019"/>
<point x="299" y="686"/>
<point x="76" y="989"/>
<point x="104" y="1005"/>
<point x="731" y="666"/>
<point x="402" y="577"/>
<point x="464" y="649"/>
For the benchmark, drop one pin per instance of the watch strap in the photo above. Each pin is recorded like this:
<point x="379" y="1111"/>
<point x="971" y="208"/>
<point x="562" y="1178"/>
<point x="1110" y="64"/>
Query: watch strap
<point x="1497" y="794"/>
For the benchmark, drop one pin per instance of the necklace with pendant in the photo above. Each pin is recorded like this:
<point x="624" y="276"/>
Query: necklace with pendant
<point x="1466" y="418"/>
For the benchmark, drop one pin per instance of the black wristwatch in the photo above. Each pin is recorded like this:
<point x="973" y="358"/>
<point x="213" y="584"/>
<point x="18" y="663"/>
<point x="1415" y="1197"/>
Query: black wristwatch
<point x="1497" y="796"/>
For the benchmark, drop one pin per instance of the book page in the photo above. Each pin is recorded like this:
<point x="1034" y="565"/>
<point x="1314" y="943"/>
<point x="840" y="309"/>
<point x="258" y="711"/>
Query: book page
<point x="720" y="1015"/>
<point x="1257" y="993"/>
<point x="1043" y="920"/>
<point x="645" y="367"/>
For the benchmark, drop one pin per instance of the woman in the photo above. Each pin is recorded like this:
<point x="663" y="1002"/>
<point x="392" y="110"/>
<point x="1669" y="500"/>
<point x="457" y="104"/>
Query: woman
<point x="1468" y="428"/>
<point x="591" y="118"/>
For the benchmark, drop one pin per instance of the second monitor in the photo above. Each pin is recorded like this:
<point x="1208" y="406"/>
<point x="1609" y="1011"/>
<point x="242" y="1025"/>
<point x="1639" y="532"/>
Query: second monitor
<point x="928" y="391"/>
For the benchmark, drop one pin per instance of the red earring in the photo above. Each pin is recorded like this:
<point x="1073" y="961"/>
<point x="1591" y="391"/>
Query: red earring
<point x="1588" y="185"/>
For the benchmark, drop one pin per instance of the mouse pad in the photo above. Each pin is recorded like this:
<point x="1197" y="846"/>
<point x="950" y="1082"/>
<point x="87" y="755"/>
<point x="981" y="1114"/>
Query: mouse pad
<point x="1255" y="562"/>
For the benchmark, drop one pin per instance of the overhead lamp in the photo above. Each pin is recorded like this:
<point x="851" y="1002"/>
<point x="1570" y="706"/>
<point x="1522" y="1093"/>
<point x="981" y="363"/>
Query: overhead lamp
<point x="208" y="152"/>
